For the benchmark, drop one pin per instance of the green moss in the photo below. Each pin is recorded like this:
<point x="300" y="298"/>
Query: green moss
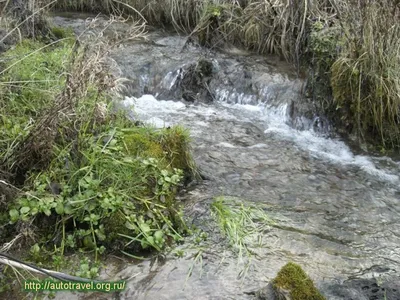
<point x="115" y="225"/>
<point x="142" y="143"/>
<point x="324" y="44"/>
<point x="61" y="32"/>
<point x="171" y="146"/>
<point x="323" y="49"/>
<point x="293" y="279"/>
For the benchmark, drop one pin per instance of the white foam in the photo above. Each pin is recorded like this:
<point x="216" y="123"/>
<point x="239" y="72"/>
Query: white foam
<point x="333" y="150"/>
<point x="276" y="120"/>
<point x="258" y="146"/>
<point x="248" y="107"/>
<point x="157" y="122"/>
<point x="170" y="79"/>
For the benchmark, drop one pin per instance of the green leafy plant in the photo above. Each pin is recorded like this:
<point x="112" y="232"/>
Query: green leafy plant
<point x="92" y="180"/>
<point x="87" y="269"/>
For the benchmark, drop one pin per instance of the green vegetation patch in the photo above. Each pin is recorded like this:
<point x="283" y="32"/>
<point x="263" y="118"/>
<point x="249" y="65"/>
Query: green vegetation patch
<point x="238" y="221"/>
<point x="108" y="184"/>
<point x="33" y="74"/>
<point x="102" y="192"/>
<point x="293" y="279"/>
<point x="323" y="49"/>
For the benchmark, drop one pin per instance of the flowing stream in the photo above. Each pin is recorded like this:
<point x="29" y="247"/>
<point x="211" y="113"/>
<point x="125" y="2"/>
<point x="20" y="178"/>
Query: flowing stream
<point x="335" y="212"/>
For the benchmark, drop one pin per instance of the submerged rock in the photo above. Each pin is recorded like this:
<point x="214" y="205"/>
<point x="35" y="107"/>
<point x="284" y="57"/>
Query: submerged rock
<point x="369" y="288"/>
<point x="266" y="293"/>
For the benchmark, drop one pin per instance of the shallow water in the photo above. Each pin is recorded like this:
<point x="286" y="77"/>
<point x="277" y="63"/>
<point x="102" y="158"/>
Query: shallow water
<point x="335" y="213"/>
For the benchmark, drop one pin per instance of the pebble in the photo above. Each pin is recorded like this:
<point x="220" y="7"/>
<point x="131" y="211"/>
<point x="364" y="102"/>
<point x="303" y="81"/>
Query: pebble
<point x="312" y="178"/>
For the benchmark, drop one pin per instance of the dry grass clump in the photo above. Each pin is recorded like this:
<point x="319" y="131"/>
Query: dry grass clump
<point x="278" y="26"/>
<point x="94" y="6"/>
<point x="26" y="19"/>
<point x="366" y="77"/>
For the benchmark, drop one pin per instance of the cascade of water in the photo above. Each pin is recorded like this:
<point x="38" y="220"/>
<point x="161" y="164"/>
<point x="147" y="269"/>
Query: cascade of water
<point x="276" y="121"/>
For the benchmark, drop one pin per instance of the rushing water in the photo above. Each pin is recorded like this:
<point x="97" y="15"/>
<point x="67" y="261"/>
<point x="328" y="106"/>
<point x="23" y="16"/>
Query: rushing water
<point x="336" y="213"/>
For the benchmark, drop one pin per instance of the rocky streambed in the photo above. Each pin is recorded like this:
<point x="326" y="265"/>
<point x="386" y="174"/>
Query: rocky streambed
<point x="257" y="141"/>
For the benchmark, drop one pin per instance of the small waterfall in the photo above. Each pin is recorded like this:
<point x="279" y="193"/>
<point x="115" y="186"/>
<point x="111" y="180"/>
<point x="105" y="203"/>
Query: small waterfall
<point x="271" y="106"/>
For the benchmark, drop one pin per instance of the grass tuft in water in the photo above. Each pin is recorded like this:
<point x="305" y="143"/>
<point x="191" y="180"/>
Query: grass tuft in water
<point x="242" y="226"/>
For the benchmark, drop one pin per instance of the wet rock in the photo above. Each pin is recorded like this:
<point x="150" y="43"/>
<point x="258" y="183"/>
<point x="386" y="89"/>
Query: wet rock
<point x="306" y="114"/>
<point x="2" y="47"/>
<point x="266" y="293"/>
<point x="312" y="178"/>
<point x="269" y="293"/>
<point x="368" y="289"/>
<point x="194" y="82"/>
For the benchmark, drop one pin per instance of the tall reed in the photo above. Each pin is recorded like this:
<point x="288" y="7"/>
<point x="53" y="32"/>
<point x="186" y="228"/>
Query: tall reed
<point x="366" y="77"/>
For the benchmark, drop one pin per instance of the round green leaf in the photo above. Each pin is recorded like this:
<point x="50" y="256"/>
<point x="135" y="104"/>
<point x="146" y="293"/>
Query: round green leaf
<point x="24" y="210"/>
<point x="60" y="208"/>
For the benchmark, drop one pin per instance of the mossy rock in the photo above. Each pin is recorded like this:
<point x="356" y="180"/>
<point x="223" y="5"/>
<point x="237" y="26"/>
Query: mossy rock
<point x="139" y="144"/>
<point x="115" y="225"/>
<point x="292" y="281"/>
<point x="61" y="32"/>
